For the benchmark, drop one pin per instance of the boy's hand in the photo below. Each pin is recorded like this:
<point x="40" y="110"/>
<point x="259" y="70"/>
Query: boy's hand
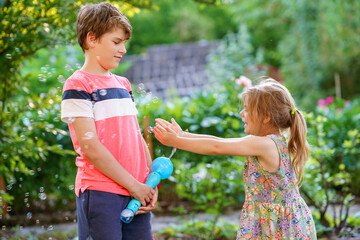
<point x="150" y="206"/>
<point x="142" y="192"/>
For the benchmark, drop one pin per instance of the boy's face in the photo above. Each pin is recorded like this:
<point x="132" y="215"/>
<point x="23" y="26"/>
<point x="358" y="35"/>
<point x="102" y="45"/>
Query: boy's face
<point x="109" y="48"/>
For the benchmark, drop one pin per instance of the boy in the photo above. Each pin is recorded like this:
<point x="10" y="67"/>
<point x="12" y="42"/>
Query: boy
<point x="114" y="160"/>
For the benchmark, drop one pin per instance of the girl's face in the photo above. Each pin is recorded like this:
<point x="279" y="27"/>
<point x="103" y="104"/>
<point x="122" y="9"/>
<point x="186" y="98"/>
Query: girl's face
<point x="256" y="127"/>
<point x="250" y="126"/>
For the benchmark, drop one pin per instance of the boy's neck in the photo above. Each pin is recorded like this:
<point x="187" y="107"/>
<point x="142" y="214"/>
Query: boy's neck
<point x="94" y="68"/>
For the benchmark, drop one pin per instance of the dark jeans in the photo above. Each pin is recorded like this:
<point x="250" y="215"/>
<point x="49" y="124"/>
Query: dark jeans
<point x="98" y="216"/>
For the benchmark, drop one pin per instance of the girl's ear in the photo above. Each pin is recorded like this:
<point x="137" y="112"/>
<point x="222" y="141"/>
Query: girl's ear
<point x="266" y="119"/>
<point x="90" y="39"/>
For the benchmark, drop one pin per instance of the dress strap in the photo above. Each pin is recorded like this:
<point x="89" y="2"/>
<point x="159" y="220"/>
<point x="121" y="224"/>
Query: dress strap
<point x="279" y="142"/>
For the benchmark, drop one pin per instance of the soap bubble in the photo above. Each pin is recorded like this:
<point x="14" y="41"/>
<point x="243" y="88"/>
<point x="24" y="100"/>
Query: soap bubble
<point x="88" y="136"/>
<point x="103" y="92"/>
<point x="61" y="78"/>
<point x="42" y="196"/>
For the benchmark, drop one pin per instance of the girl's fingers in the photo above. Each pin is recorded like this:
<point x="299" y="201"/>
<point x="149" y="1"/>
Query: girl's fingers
<point x="162" y="122"/>
<point x="174" y="122"/>
<point x="169" y="129"/>
<point x="160" y="129"/>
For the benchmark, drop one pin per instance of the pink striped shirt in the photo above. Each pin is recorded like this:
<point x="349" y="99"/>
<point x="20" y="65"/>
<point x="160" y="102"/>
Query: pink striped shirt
<point x="108" y="100"/>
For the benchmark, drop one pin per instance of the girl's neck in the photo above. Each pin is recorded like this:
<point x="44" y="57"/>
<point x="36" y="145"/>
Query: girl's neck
<point x="269" y="130"/>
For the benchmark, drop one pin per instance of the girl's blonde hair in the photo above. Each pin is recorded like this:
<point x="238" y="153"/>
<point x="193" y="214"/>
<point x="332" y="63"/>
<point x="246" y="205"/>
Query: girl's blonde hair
<point x="271" y="99"/>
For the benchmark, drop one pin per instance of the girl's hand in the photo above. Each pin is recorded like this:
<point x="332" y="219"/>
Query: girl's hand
<point x="165" y="134"/>
<point x="173" y="125"/>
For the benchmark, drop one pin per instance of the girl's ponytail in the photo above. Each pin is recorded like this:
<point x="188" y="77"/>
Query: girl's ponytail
<point x="298" y="145"/>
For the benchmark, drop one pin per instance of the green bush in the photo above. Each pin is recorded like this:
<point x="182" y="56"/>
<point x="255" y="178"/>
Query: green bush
<point x="332" y="173"/>
<point x="36" y="159"/>
<point x="201" y="230"/>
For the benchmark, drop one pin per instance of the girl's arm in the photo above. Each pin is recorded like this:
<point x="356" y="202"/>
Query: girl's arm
<point x="105" y="162"/>
<point x="263" y="148"/>
<point x="210" y="145"/>
<point x="176" y="127"/>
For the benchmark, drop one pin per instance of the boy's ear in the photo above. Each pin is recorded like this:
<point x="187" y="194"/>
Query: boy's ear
<point x="90" y="39"/>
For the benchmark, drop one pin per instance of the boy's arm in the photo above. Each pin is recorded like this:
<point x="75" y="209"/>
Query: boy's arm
<point x="147" y="153"/>
<point x="105" y="162"/>
<point x="151" y="205"/>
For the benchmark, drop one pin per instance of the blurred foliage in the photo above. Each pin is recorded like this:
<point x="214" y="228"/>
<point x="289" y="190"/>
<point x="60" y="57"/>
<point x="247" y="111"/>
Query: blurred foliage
<point x="35" y="158"/>
<point x="309" y="41"/>
<point x="332" y="175"/>
<point x="179" y="21"/>
<point x="201" y="230"/>
<point x="234" y="56"/>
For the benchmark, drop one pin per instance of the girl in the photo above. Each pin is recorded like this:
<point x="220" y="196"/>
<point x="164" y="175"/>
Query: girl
<point x="273" y="207"/>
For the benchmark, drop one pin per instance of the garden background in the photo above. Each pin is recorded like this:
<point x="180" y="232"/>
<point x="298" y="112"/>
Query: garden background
<point x="313" y="46"/>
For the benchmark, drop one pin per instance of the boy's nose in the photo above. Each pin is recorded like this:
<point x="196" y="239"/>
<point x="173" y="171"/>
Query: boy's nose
<point x="122" y="49"/>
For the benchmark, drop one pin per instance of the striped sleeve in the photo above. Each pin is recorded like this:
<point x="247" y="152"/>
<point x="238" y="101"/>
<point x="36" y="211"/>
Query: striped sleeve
<point x="76" y="101"/>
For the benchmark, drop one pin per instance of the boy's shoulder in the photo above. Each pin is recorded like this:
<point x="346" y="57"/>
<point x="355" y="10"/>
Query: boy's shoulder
<point x="86" y="81"/>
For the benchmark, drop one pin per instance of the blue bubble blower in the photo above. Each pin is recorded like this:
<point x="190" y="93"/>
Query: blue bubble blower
<point x="161" y="168"/>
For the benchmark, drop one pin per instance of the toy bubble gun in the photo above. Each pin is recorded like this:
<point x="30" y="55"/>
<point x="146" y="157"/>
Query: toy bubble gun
<point x="161" y="168"/>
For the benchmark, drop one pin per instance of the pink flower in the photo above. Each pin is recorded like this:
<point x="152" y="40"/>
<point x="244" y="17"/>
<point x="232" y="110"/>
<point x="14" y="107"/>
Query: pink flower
<point x="329" y="99"/>
<point x="322" y="103"/>
<point x="243" y="81"/>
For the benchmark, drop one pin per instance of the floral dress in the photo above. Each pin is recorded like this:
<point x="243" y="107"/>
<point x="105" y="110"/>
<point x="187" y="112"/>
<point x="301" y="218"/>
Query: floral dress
<point x="273" y="208"/>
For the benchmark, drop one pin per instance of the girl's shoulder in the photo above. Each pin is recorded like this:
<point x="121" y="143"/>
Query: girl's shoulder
<point x="281" y="144"/>
<point x="279" y="139"/>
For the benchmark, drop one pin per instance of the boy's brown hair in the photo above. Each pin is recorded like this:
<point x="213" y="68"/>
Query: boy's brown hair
<point x="100" y="19"/>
